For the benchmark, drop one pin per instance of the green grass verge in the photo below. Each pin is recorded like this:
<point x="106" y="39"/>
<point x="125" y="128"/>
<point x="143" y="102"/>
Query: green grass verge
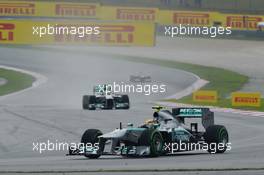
<point x="16" y="81"/>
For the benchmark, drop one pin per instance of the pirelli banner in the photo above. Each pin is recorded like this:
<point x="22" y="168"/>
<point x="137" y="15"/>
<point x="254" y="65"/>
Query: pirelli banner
<point x="49" y="9"/>
<point x="193" y="18"/>
<point x="241" y="22"/>
<point x="246" y="99"/>
<point x="65" y="32"/>
<point x="205" y="96"/>
<point x="129" y="13"/>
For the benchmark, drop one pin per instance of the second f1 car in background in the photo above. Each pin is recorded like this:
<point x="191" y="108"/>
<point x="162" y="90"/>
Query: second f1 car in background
<point x="104" y="98"/>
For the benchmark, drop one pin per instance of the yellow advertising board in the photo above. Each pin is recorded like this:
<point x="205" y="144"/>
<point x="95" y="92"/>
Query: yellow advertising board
<point x="246" y="99"/>
<point x="49" y="9"/>
<point x="67" y="32"/>
<point x="96" y="11"/>
<point x="129" y="13"/>
<point x="192" y="18"/>
<point x="241" y="22"/>
<point x="205" y="96"/>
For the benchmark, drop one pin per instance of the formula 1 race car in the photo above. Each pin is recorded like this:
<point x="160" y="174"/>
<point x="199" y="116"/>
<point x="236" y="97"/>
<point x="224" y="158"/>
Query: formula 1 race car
<point x="140" y="79"/>
<point x="165" y="134"/>
<point x="104" y="98"/>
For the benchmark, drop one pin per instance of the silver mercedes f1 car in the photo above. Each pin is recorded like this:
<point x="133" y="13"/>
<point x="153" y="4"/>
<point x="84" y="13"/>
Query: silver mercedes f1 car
<point x="104" y="98"/>
<point x="164" y="134"/>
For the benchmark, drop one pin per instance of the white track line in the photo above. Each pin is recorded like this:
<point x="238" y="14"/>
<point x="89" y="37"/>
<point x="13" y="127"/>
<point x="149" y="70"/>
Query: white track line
<point x="198" y="84"/>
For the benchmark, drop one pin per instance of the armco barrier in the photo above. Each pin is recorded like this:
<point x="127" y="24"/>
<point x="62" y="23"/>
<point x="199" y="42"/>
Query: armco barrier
<point x="124" y="34"/>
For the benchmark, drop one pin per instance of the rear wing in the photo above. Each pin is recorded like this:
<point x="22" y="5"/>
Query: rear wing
<point x="205" y="114"/>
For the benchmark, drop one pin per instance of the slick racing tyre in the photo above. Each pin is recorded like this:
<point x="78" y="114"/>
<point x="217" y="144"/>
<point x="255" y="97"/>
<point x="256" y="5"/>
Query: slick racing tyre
<point x="125" y="99"/>
<point x="154" y="140"/>
<point x="90" y="137"/>
<point x="89" y="100"/>
<point x="216" y="136"/>
<point x="109" y="104"/>
<point x="156" y="144"/>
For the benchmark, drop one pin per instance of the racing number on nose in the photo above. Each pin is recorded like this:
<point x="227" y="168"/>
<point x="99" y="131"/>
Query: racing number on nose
<point x="6" y="32"/>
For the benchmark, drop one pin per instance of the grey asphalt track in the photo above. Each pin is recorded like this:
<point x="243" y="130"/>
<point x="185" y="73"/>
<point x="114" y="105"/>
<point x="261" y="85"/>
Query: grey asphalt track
<point x="53" y="112"/>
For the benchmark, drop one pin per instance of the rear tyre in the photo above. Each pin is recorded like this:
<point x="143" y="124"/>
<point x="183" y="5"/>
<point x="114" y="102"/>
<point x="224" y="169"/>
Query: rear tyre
<point x="90" y="136"/>
<point x="109" y="103"/>
<point x="125" y="99"/>
<point x="216" y="136"/>
<point x="89" y="100"/>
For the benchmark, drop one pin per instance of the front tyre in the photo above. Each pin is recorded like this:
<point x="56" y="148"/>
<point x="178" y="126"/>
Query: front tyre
<point x="216" y="136"/>
<point x="90" y="137"/>
<point x="156" y="144"/>
<point x="153" y="139"/>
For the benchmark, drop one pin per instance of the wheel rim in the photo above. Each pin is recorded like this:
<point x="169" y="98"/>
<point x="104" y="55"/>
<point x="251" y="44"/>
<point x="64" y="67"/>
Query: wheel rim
<point x="223" y="137"/>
